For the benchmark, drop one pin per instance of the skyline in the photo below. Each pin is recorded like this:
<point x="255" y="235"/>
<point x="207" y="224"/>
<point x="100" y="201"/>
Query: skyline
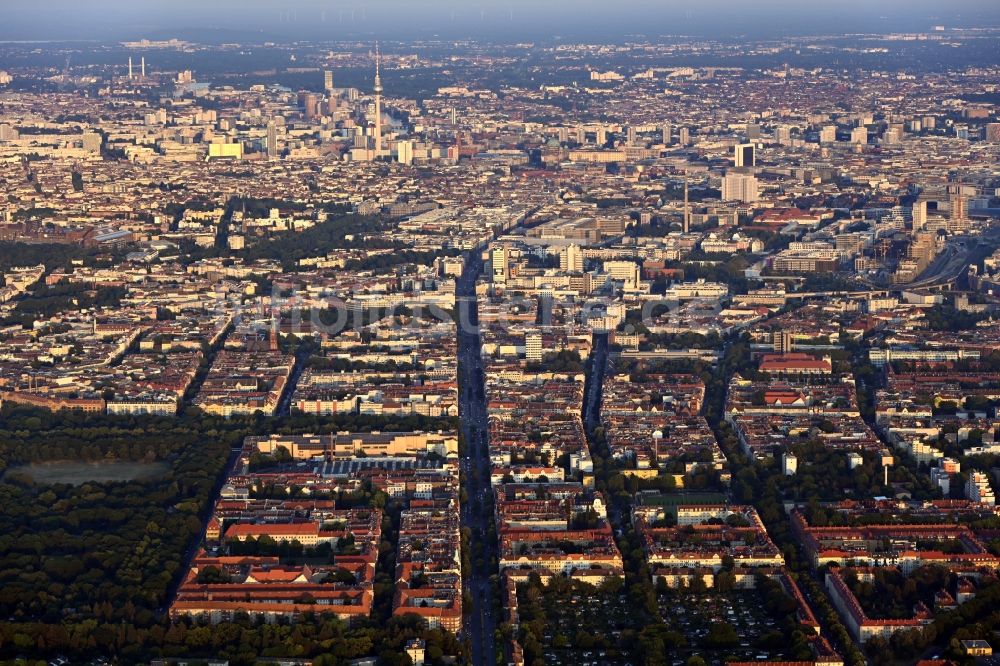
<point x="497" y="334"/>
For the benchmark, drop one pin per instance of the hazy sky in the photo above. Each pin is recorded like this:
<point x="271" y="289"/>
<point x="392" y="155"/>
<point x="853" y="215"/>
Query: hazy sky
<point x="506" y="20"/>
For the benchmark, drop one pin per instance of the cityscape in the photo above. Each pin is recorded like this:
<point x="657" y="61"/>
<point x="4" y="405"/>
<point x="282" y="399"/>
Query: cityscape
<point x="415" y="334"/>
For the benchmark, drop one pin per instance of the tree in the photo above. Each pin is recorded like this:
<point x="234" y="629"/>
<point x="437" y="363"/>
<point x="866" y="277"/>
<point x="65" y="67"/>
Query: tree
<point x="721" y="635"/>
<point x="725" y="582"/>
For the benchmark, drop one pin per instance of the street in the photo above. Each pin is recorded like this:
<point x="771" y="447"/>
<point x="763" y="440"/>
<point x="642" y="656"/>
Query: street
<point x="480" y="623"/>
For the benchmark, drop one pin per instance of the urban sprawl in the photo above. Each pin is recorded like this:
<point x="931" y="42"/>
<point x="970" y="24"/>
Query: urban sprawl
<point x="618" y="360"/>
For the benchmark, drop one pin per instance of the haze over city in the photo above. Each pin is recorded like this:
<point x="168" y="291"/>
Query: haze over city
<point x="485" y="19"/>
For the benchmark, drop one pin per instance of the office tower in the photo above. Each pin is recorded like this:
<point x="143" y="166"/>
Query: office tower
<point x="404" y="152"/>
<point x="313" y="106"/>
<point x="665" y="133"/>
<point x="533" y="346"/>
<point x="929" y="122"/>
<point x="859" y="135"/>
<point x="130" y="68"/>
<point x="328" y="82"/>
<point x="684" y="136"/>
<point x="740" y="186"/>
<point x="630" y="136"/>
<point x="828" y="134"/>
<point x="992" y="132"/>
<point x="498" y="264"/>
<point x="571" y="259"/>
<point x="360" y="139"/>
<point x="454" y="116"/>
<point x="378" y="102"/>
<point x="544" y="314"/>
<point x="893" y="135"/>
<point x="783" y="135"/>
<point x="753" y="131"/>
<point x="272" y="140"/>
<point x="581" y="136"/>
<point x="745" y="155"/>
<point x="958" y="206"/>
<point x="310" y="104"/>
<point x="601" y="137"/>
<point x="143" y="67"/>
<point x="919" y="214"/>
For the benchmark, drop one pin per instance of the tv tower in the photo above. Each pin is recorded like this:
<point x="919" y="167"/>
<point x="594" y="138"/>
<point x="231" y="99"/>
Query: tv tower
<point x="378" y="102"/>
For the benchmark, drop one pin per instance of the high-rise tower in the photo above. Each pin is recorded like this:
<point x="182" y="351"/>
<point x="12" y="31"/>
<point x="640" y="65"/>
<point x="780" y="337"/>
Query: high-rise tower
<point x="744" y="155"/>
<point x="740" y="185"/>
<point x="378" y="103"/>
<point x="272" y="139"/>
<point x="959" y="205"/>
